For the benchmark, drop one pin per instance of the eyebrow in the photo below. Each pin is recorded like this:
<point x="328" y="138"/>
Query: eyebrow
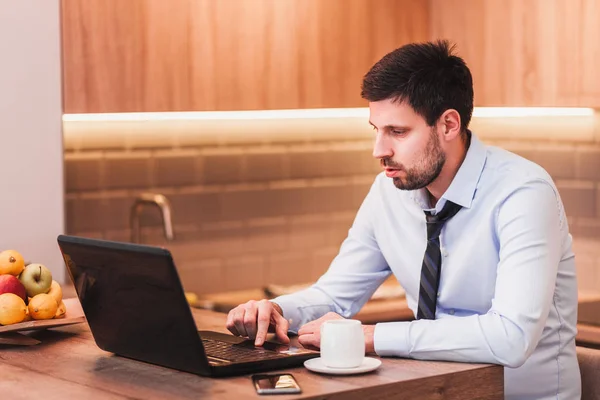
<point x="391" y="126"/>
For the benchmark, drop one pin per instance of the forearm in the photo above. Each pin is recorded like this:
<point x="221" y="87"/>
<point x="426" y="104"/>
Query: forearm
<point x="303" y="306"/>
<point x="489" y="338"/>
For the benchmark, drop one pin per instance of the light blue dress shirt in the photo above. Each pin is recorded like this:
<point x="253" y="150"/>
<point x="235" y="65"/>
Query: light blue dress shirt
<point x="508" y="289"/>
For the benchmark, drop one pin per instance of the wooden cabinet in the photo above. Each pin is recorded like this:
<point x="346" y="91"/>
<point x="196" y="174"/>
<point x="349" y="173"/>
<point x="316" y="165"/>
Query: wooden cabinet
<point x="179" y="55"/>
<point x="525" y="52"/>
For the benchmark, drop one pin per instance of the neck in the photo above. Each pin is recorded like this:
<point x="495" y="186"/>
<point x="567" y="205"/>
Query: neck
<point x="454" y="159"/>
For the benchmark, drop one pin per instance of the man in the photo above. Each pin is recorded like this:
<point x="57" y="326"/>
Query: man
<point x="477" y="236"/>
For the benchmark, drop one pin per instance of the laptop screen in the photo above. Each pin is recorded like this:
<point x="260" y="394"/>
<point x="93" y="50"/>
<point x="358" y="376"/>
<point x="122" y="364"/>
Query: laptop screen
<point x="133" y="301"/>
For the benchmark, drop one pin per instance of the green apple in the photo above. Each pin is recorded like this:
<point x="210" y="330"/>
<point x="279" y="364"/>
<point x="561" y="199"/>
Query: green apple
<point x="36" y="278"/>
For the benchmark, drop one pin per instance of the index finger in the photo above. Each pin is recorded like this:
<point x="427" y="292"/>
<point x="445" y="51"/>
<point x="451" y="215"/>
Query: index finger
<point x="263" y="320"/>
<point x="229" y="324"/>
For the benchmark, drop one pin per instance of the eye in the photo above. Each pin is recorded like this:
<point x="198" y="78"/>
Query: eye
<point x="398" y="133"/>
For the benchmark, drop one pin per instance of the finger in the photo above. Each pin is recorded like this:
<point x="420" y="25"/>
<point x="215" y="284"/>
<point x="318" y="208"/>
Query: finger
<point x="229" y="324"/>
<point x="307" y="328"/>
<point x="250" y="319"/>
<point x="263" y="318"/>
<point x="310" y="340"/>
<point x="238" y="321"/>
<point x="282" y="326"/>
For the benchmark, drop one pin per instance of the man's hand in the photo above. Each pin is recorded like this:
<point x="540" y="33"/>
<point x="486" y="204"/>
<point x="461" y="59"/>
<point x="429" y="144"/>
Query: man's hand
<point x="255" y="318"/>
<point x="310" y="334"/>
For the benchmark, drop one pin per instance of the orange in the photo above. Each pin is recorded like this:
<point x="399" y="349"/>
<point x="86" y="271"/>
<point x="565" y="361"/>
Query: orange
<point x="11" y="262"/>
<point x="61" y="311"/>
<point x="56" y="292"/>
<point x="42" y="306"/>
<point x="12" y="309"/>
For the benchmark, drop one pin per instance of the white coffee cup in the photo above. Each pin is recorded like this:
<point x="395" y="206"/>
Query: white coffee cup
<point x="342" y="343"/>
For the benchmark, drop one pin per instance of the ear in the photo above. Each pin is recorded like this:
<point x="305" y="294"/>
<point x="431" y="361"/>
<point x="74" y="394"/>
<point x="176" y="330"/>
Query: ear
<point x="449" y="124"/>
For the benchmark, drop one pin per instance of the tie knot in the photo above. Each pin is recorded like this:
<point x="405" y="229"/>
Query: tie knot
<point x="436" y="222"/>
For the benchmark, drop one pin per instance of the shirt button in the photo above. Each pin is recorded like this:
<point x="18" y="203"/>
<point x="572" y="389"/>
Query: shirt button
<point x="438" y="294"/>
<point x="451" y="312"/>
<point x="445" y="253"/>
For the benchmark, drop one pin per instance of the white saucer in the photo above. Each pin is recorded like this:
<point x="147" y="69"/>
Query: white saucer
<point x="368" y="364"/>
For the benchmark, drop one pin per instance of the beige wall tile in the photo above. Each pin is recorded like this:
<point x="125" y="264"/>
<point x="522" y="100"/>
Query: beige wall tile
<point x="588" y="163"/>
<point x="175" y="168"/>
<point x="196" y="208"/>
<point x="127" y="170"/>
<point x="250" y="203"/>
<point x="266" y="236"/>
<point x="84" y="214"/>
<point x="202" y="276"/>
<point x="206" y="246"/>
<point x="579" y="198"/>
<point x="588" y="227"/>
<point x="308" y="239"/>
<point x="289" y="268"/>
<point x="598" y="199"/>
<point x="526" y="150"/>
<point x="116" y="212"/>
<point x="587" y="273"/>
<point x="222" y="167"/>
<point x="559" y="162"/>
<point x="122" y="235"/>
<point x="324" y="162"/>
<point x="245" y="272"/>
<point x="322" y="258"/>
<point x="541" y="129"/>
<point x="270" y="164"/>
<point x="83" y="172"/>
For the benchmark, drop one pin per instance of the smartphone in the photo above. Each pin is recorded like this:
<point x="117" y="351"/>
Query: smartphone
<point x="275" y="384"/>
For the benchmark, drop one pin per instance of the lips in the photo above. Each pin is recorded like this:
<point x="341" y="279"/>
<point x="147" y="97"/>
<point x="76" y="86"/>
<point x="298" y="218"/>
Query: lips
<point x="392" y="173"/>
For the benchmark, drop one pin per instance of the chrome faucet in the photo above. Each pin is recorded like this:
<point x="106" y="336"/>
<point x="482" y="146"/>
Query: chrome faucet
<point x="153" y="199"/>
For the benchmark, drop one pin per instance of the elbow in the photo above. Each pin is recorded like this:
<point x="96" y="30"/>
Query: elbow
<point x="513" y="359"/>
<point x="513" y="347"/>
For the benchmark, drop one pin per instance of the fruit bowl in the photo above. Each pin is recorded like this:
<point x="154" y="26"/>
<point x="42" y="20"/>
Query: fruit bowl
<point x="74" y="315"/>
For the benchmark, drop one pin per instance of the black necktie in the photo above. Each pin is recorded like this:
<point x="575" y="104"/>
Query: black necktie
<point x="432" y="262"/>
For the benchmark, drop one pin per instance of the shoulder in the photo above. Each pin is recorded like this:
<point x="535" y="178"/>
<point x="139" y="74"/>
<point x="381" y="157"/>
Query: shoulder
<point x="506" y="172"/>
<point x="515" y="186"/>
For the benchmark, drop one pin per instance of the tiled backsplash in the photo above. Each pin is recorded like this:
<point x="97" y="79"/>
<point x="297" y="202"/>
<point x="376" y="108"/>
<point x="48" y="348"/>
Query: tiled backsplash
<point x="274" y="209"/>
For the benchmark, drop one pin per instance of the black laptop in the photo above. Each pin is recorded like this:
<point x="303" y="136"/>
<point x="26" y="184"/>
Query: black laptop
<point x="135" y="306"/>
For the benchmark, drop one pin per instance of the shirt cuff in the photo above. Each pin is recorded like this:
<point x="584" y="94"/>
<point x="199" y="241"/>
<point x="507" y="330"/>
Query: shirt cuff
<point x="291" y="312"/>
<point x="391" y="339"/>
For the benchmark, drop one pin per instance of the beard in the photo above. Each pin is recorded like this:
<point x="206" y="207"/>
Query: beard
<point x="426" y="169"/>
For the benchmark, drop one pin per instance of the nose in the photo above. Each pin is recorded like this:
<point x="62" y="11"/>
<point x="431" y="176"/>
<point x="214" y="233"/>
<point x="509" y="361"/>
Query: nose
<point x="382" y="148"/>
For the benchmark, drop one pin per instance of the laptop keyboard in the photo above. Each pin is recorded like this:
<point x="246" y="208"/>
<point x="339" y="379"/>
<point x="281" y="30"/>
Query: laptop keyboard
<point x="230" y="352"/>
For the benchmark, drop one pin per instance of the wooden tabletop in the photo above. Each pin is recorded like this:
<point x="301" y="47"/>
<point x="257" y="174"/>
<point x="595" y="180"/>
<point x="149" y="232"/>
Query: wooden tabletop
<point x="68" y="364"/>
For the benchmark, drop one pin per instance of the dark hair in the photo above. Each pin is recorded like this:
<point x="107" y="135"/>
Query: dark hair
<point x="428" y="76"/>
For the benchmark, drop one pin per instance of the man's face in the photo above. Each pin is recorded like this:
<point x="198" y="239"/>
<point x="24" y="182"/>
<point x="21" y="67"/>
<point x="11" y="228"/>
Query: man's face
<point x="409" y="150"/>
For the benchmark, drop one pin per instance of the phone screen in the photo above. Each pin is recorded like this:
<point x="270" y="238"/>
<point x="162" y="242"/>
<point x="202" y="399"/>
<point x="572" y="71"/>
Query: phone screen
<point x="275" y="384"/>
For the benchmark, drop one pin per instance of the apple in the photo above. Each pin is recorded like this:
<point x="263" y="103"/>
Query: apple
<point x="10" y="284"/>
<point x="36" y="278"/>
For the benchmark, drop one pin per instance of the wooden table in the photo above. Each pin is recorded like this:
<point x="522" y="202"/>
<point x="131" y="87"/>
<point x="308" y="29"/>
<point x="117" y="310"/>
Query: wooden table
<point x="68" y="364"/>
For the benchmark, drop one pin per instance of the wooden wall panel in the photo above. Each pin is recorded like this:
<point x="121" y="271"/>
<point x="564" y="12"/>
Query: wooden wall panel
<point x="578" y="32"/>
<point x="178" y="55"/>
<point x="525" y="52"/>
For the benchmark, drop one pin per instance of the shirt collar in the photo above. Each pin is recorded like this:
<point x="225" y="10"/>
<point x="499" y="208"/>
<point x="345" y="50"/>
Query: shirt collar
<point x="462" y="188"/>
